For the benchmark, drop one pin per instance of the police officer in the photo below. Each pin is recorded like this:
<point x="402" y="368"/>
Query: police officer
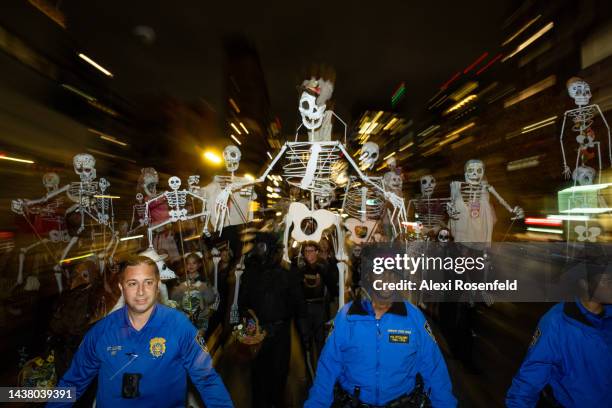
<point x="569" y="361"/>
<point x="142" y="352"/>
<point x="376" y="353"/>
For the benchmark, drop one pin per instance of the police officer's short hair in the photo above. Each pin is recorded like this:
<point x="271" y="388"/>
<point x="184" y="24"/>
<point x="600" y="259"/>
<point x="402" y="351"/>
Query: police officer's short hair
<point x="137" y="260"/>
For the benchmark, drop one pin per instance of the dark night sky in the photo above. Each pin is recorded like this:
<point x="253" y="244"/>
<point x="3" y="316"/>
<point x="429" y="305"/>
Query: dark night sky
<point x="372" y="46"/>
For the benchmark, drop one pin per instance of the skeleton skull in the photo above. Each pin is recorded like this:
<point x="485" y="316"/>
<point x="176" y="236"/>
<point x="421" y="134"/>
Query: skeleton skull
<point x="369" y="156"/>
<point x="174" y="183"/>
<point x="579" y="90"/>
<point x="584" y="175"/>
<point x="312" y="114"/>
<point x="193" y="180"/>
<point x="392" y="181"/>
<point x="139" y="198"/>
<point x="50" y="181"/>
<point x="428" y="185"/>
<point x="231" y="155"/>
<point x="443" y="235"/>
<point x="104" y="184"/>
<point x="85" y="167"/>
<point x="474" y="172"/>
<point x="149" y="180"/>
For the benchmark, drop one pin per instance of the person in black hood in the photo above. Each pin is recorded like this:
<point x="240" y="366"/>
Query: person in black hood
<point x="275" y="295"/>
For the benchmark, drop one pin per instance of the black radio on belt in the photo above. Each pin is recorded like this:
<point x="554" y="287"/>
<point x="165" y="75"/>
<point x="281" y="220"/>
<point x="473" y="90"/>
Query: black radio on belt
<point x="130" y="385"/>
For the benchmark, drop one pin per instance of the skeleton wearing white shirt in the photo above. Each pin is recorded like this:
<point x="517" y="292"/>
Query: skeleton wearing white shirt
<point x="428" y="211"/>
<point x="176" y="200"/>
<point x="582" y="117"/>
<point x="472" y="216"/>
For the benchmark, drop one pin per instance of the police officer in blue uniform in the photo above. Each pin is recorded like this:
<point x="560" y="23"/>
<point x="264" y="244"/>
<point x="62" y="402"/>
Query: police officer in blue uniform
<point x="142" y="352"/>
<point x="569" y="361"/>
<point x="375" y="354"/>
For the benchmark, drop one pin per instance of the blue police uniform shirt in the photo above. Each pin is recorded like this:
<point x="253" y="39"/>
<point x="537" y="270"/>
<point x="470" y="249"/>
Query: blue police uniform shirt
<point x="571" y="351"/>
<point x="163" y="352"/>
<point x="381" y="356"/>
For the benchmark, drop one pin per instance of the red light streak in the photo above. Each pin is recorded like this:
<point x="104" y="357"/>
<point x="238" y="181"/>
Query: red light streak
<point x="483" y="69"/>
<point x="478" y="61"/>
<point x="450" y="81"/>
<point x="543" y="221"/>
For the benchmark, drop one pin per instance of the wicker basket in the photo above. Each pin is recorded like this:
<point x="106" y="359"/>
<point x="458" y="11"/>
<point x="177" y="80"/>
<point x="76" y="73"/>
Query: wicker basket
<point x="245" y="348"/>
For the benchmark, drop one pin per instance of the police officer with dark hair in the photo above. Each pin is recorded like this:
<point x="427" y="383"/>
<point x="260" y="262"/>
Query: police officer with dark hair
<point x="569" y="361"/>
<point x="275" y="295"/>
<point x="381" y="354"/>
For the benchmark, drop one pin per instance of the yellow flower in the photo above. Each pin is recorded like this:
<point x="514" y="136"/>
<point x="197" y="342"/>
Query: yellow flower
<point x="39" y="361"/>
<point x="50" y="359"/>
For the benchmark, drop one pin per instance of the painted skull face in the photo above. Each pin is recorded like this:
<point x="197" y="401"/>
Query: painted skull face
<point x="104" y="184"/>
<point x="174" y="183"/>
<point x="85" y="167"/>
<point x="392" y="181"/>
<point x="579" y="90"/>
<point x="139" y="198"/>
<point x="584" y="175"/>
<point x="50" y="181"/>
<point x="428" y="185"/>
<point x="443" y="235"/>
<point x="232" y="155"/>
<point x="474" y="172"/>
<point x="369" y="156"/>
<point x="312" y="114"/>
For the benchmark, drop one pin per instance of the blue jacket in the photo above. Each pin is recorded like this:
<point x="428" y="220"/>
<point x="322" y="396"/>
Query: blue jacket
<point x="163" y="352"/>
<point x="382" y="357"/>
<point x="571" y="351"/>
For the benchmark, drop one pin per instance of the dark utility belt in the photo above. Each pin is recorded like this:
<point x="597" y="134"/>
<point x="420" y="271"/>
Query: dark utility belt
<point x="417" y="398"/>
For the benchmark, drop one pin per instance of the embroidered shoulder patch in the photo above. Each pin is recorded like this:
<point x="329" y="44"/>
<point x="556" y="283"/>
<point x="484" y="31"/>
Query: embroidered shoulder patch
<point x="429" y="331"/>
<point x="201" y="342"/>
<point x="535" y="338"/>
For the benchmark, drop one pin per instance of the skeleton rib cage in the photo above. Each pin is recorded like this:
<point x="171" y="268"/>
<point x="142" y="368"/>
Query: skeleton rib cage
<point x="311" y="164"/>
<point x="431" y="212"/>
<point x="363" y="202"/>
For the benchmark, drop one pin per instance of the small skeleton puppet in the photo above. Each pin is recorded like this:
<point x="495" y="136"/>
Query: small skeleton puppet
<point x="428" y="211"/>
<point x="105" y="209"/>
<point x="49" y="221"/>
<point x="194" y="183"/>
<point x="582" y="117"/>
<point x="138" y="213"/>
<point x="165" y="274"/>
<point x="472" y="216"/>
<point x="227" y="209"/>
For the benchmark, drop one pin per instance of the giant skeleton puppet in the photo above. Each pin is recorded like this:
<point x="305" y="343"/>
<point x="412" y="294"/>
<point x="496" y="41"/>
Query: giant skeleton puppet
<point x="472" y="216"/>
<point x="588" y="148"/>
<point x="429" y="212"/>
<point x="49" y="220"/>
<point x="310" y="167"/>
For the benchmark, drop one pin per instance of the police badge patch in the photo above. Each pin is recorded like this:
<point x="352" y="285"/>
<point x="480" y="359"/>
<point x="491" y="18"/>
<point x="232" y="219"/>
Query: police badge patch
<point x="201" y="342"/>
<point x="428" y="330"/>
<point x="157" y="346"/>
<point x="536" y="337"/>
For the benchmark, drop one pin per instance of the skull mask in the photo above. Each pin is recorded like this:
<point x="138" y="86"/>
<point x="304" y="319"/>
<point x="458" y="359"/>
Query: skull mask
<point x="584" y="175"/>
<point x="231" y="155"/>
<point x="149" y="180"/>
<point x="392" y="181"/>
<point x="85" y="167"/>
<point x="104" y="184"/>
<point x="474" y="172"/>
<point x="312" y="114"/>
<point x="428" y="185"/>
<point x="579" y="90"/>
<point x="51" y="182"/>
<point x="369" y="156"/>
<point x="174" y="183"/>
<point x="443" y="235"/>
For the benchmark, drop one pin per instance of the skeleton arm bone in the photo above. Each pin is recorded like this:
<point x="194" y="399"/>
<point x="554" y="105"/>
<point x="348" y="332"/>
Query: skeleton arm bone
<point x="49" y="196"/>
<point x="517" y="211"/>
<point x="609" y="137"/>
<point x="566" y="170"/>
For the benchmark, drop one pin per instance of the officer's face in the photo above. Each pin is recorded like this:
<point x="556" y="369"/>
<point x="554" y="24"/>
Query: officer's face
<point x="140" y="287"/>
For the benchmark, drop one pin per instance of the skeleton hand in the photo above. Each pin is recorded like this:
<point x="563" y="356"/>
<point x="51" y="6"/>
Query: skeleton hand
<point x="452" y="211"/>
<point x="567" y="172"/>
<point x="518" y="213"/>
<point x="221" y="205"/>
<point x="17" y="206"/>
<point x="215" y="304"/>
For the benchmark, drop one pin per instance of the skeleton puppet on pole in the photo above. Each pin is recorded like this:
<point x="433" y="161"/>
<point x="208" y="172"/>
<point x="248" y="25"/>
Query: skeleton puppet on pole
<point x="430" y="212"/>
<point x="472" y="216"/>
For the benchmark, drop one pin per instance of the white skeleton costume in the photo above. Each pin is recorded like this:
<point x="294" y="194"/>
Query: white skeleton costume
<point x="310" y="166"/>
<point x="176" y="200"/>
<point x="472" y="216"/>
<point x="582" y="117"/>
<point x="428" y="211"/>
<point x="47" y="208"/>
<point x="237" y="207"/>
<point x="139" y="210"/>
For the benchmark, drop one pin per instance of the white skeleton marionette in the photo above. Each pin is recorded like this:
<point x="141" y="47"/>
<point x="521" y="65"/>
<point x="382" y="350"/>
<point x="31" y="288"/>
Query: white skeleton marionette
<point x="366" y="206"/>
<point x="472" y="216"/>
<point x="48" y="209"/>
<point x="176" y="199"/>
<point x="229" y="209"/>
<point x="139" y="210"/>
<point x="430" y="213"/>
<point x="311" y="166"/>
<point x="582" y="118"/>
